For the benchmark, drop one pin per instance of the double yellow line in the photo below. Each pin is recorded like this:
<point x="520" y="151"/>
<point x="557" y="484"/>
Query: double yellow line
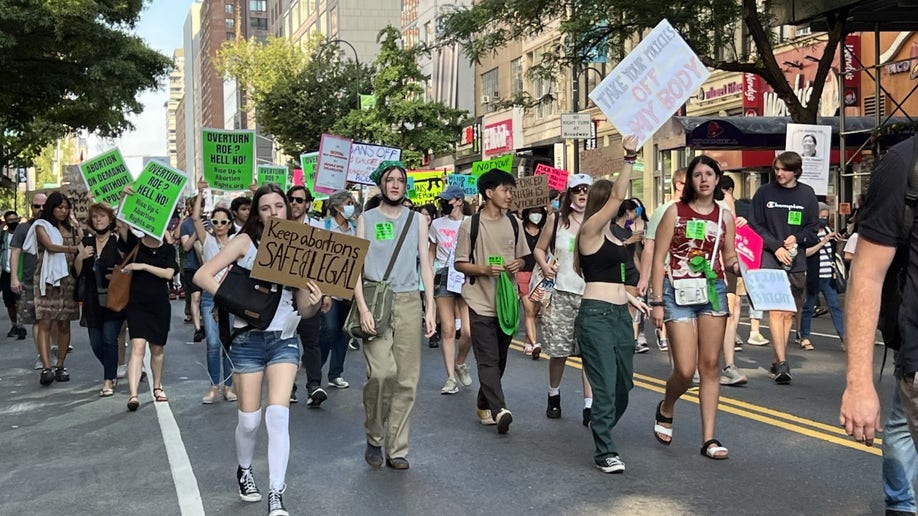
<point x="776" y="418"/>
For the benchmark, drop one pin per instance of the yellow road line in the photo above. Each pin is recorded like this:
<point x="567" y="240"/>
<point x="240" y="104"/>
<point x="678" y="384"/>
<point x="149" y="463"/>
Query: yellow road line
<point x="751" y="411"/>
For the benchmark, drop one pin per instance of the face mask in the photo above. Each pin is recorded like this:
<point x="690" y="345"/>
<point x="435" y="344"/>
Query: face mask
<point x="556" y="205"/>
<point x="102" y="231"/>
<point x="12" y="226"/>
<point x="535" y="218"/>
<point x="348" y="211"/>
<point x="824" y="222"/>
<point x="393" y="202"/>
<point x="577" y="208"/>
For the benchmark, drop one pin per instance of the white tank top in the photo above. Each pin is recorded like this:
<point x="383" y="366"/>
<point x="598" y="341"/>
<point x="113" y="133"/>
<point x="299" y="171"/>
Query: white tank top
<point x="284" y="308"/>
<point x="567" y="280"/>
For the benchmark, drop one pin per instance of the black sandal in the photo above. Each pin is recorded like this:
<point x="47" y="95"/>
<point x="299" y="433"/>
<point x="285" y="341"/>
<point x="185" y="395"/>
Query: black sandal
<point x="657" y="429"/>
<point x="713" y="446"/>
<point x="133" y="404"/>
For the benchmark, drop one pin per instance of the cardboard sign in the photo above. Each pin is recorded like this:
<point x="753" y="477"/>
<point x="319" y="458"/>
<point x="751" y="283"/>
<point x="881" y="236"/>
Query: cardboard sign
<point x="332" y="165"/>
<point x="229" y="158"/>
<point x="530" y="192"/>
<point x="156" y="192"/>
<point x="80" y="200"/>
<point x="650" y="83"/>
<point x="273" y="174"/>
<point x="105" y="176"/>
<point x="749" y="247"/>
<point x="365" y="157"/>
<point x="292" y="253"/>
<point x="467" y="182"/>
<point x="557" y="178"/>
<point x="768" y="289"/>
<point x="812" y="143"/>
<point x="504" y="163"/>
<point x="425" y="186"/>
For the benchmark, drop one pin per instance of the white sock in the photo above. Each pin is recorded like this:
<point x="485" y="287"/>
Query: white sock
<point x="554" y="391"/>
<point x="246" y="430"/>
<point x="587" y="402"/>
<point x="277" y="421"/>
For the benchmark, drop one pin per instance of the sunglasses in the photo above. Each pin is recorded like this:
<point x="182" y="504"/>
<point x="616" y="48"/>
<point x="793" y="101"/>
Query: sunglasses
<point x="219" y="222"/>
<point x="298" y="200"/>
<point x="38" y="206"/>
<point x="579" y="189"/>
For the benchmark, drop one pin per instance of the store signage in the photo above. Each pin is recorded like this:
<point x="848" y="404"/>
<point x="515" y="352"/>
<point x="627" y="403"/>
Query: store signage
<point x="498" y="137"/>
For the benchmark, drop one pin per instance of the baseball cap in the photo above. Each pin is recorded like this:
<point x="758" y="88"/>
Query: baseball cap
<point x="452" y="192"/>
<point x="579" y="179"/>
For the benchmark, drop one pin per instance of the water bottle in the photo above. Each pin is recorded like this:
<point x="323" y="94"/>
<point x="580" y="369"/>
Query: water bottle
<point x="546" y="286"/>
<point x="793" y="256"/>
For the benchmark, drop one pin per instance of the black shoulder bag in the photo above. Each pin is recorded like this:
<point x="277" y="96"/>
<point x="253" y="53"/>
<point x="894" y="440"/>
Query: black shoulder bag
<point x="254" y="301"/>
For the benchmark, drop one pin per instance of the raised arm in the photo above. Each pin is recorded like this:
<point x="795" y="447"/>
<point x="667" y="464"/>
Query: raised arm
<point x="199" y="230"/>
<point x="594" y="226"/>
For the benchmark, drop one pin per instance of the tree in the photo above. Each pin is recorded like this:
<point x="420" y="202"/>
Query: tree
<point x="70" y="66"/>
<point x="259" y="66"/>
<point x="596" y="27"/>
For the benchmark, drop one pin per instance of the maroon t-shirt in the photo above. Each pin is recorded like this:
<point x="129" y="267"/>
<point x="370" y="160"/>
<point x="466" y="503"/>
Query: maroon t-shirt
<point x="695" y="235"/>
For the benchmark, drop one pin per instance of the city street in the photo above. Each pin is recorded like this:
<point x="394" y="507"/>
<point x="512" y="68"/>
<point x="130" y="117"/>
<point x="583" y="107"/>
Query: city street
<point x="68" y="451"/>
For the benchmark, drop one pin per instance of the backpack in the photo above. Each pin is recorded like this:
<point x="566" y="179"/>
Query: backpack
<point x="897" y="274"/>
<point x="473" y="236"/>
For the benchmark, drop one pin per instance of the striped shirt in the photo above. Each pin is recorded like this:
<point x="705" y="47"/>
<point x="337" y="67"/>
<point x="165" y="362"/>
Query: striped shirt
<point x="826" y="256"/>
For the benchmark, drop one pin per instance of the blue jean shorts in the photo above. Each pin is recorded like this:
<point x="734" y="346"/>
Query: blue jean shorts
<point x="440" y="282"/>
<point x="254" y="350"/>
<point x="674" y="312"/>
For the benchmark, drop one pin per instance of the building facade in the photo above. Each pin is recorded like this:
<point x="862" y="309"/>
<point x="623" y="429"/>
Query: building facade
<point x="354" y="21"/>
<point x="176" y="92"/>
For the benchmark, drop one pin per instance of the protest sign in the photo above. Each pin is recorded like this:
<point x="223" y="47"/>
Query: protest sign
<point x="229" y="158"/>
<point x="454" y="278"/>
<point x="291" y="253"/>
<point x="308" y="174"/>
<point x="749" y="247"/>
<point x="106" y="175"/>
<point x="156" y="192"/>
<point x="427" y="185"/>
<point x="365" y="157"/>
<point x="504" y="163"/>
<point x="650" y="83"/>
<point x="530" y="192"/>
<point x="331" y="167"/>
<point x="467" y="182"/>
<point x="812" y="143"/>
<point x="768" y="289"/>
<point x="557" y="178"/>
<point x="80" y="200"/>
<point x="273" y="174"/>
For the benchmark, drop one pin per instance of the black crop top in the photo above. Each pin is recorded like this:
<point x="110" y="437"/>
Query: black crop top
<point x="607" y="265"/>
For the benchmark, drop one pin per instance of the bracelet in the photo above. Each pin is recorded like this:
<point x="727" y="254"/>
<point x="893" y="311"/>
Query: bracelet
<point x="656" y="298"/>
<point x="630" y="161"/>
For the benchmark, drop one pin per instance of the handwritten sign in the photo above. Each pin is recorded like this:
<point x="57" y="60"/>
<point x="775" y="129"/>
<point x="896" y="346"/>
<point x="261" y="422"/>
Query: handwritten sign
<point x="454" y="278"/>
<point x="651" y="83"/>
<point x="365" y="157"/>
<point x="80" y="200"/>
<point x="467" y="182"/>
<point x="749" y="247"/>
<point x="273" y="174"/>
<point x="768" y="289"/>
<point x="426" y="186"/>
<point x="530" y="192"/>
<point x="557" y="178"/>
<point x="156" y="192"/>
<point x="105" y="176"/>
<point x="229" y="158"/>
<point x="331" y="167"/>
<point x="292" y="253"/>
<point x="504" y="163"/>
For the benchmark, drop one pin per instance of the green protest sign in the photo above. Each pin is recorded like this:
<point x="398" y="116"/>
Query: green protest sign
<point x="229" y="158"/>
<point x="105" y="176"/>
<point x="156" y="192"/>
<point x="308" y="162"/>
<point x="273" y="174"/>
<point x="504" y="163"/>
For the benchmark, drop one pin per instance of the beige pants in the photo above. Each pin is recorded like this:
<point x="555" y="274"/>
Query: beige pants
<point x="393" y="370"/>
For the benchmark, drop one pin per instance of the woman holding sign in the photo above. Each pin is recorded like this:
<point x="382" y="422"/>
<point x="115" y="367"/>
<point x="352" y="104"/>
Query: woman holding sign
<point x="257" y="354"/>
<point x="692" y="298"/>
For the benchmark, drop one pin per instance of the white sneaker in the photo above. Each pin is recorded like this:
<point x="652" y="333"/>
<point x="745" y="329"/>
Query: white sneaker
<point x="642" y="339"/>
<point x="39" y="366"/>
<point x="122" y="371"/>
<point x="450" y="387"/>
<point x="757" y="339"/>
<point x="730" y="375"/>
<point x="339" y="383"/>
<point x="462" y="371"/>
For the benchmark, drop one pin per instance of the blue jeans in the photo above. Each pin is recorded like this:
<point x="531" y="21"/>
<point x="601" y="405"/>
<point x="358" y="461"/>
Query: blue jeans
<point x="104" y="343"/>
<point x="900" y="461"/>
<point x="831" y="295"/>
<point x="334" y="340"/>
<point x="214" y="346"/>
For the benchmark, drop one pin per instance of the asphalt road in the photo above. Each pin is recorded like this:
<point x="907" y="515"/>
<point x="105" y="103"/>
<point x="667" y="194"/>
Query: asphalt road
<point x="67" y="451"/>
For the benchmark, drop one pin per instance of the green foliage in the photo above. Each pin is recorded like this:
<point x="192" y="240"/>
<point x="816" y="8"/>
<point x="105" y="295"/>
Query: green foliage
<point x="259" y="66"/>
<point x="589" y="28"/>
<point x="70" y="66"/>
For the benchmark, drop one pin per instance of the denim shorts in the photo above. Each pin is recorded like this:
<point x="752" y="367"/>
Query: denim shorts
<point x="440" y="282"/>
<point x="254" y="350"/>
<point x="674" y="312"/>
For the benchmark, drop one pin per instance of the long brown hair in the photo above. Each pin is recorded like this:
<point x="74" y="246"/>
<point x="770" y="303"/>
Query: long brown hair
<point x="253" y="225"/>
<point x="597" y="197"/>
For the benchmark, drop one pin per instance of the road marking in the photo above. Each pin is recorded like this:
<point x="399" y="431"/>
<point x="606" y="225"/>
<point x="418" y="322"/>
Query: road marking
<point x="186" y="484"/>
<point x="776" y="418"/>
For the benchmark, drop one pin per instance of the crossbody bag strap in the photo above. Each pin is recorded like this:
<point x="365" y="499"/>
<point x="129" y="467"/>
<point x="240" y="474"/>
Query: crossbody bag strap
<point x="720" y="219"/>
<point x="398" y="245"/>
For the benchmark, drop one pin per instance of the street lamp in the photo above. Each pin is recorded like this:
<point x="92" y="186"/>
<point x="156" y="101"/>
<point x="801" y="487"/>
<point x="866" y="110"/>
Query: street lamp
<point x="575" y="90"/>
<point x="356" y="59"/>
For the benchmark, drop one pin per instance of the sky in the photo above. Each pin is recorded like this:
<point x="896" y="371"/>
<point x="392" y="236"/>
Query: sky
<point x="160" y="25"/>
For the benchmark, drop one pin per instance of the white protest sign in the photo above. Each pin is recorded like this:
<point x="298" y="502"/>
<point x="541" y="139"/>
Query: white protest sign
<point x="651" y="83"/>
<point x="365" y="157"/>
<point x="331" y="169"/>
<point x="454" y="278"/>
<point x="768" y="289"/>
<point x="812" y="143"/>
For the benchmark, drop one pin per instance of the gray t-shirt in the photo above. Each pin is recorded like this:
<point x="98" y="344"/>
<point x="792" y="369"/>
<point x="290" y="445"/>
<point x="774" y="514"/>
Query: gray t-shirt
<point x="383" y="234"/>
<point x="190" y="259"/>
<point x="29" y="261"/>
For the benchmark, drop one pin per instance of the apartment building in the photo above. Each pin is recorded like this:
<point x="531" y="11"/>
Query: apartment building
<point x="176" y="92"/>
<point x="357" y="22"/>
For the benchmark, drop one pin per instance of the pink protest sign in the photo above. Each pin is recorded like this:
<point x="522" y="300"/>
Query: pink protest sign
<point x="297" y="177"/>
<point x="749" y="247"/>
<point x="557" y="178"/>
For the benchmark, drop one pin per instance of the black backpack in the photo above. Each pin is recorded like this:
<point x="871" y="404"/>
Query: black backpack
<point x="473" y="236"/>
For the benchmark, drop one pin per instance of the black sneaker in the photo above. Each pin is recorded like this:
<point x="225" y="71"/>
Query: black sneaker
<point x="503" y="419"/>
<point x="248" y="491"/>
<point x="276" y="502"/>
<point x="22" y="333"/>
<point x="781" y="373"/>
<point x="434" y="340"/>
<point x="613" y="464"/>
<point x="61" y="374"/>
<point x="13" y="332"/>
<point x="354" y="344"/>
<point x="199" y="335"/>
<point x="316" y="396"/>
<point x="373" y="456"/>
<point x="587" y="416"/>
<point x="293" y="398"/>
<point x="554" y="407"/>
<point x="46" y="377"/>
